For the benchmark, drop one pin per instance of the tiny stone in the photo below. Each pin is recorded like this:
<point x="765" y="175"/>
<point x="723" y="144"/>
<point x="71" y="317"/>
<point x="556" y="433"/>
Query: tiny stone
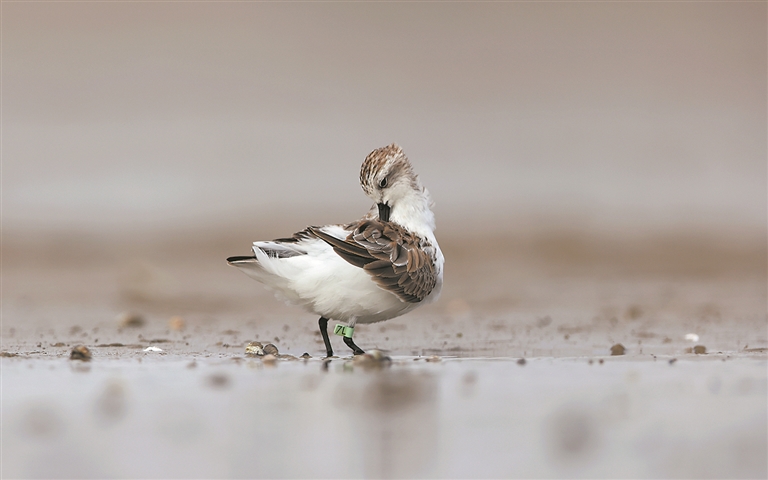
<point x="672" y="361"/>
<point x="270" y="349"/>
<point x="128" y="319"/>
<point x="374" y="358"/>
<point x="521" y="362"/>
<point x="176" y="323"/>
<point x="80" y="352"/>
<point x="699" y="349"/>
<point x="433" y="358"/>
<point x="306" y="355"/>
<point x="254" y="348"/>
<point x="618" y="349"/>
<point x="601" y="361"/>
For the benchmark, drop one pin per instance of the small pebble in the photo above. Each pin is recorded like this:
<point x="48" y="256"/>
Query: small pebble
<point x="306" y="356"/>
<point x="699" y="349"/>
<point x="80" y="352"/>
<point x="521" y="362"/>
<point x="254" y="348"/>
<point x="373" y="358"/>
<point x="128" y="319"/>
<point x="176" y="323"/>
<point x="433" y="358"/>
<point x="270" y="349"/>
<point x="672" y="361"/>
<point x="618" y="349"/>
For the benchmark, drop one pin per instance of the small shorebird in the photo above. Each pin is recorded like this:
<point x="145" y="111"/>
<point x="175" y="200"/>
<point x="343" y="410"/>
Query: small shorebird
<point x="377" y="268"/>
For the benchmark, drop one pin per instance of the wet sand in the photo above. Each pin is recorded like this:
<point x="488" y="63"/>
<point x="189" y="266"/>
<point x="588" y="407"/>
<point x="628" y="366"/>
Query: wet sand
<point x="456" y="401"/>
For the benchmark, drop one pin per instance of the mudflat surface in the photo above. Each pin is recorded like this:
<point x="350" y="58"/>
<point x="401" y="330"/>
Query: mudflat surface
<point x="455" y="401"/>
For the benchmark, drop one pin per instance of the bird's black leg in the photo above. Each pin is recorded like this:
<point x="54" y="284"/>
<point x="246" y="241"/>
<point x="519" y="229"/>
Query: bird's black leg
<point x="351" y="344"/>
<point x="324" y="332"/>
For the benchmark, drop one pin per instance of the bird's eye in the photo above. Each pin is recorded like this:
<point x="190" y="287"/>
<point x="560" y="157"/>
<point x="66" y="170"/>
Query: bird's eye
<point x="383" y="182"/>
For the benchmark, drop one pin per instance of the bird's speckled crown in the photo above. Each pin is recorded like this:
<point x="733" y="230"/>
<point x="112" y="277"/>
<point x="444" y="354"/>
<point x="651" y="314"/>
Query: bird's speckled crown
<point x="387" y="160"/>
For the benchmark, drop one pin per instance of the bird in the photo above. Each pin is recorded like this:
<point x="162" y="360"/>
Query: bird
<point x="376" y="268"/>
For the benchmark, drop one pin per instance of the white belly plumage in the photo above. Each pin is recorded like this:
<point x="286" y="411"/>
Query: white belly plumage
<point x="324" y="283"/>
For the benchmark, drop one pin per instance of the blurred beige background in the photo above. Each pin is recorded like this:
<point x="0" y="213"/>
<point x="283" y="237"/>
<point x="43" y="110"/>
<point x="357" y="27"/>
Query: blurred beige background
<point x="144" y="119"/>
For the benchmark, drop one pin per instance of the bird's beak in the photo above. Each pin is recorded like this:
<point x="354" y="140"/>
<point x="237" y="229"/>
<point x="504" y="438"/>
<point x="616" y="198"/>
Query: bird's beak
<point x="383" y="212"/>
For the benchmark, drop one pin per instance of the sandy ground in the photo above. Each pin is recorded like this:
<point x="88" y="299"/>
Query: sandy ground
<point x="456" y="401"/>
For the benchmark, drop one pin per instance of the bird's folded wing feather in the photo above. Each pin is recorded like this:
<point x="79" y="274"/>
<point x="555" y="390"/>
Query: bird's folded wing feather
<point x="398" y="261"/>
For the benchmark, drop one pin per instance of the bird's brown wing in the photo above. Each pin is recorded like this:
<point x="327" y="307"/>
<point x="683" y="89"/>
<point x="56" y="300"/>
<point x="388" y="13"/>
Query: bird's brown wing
<point x="398" y="261"/>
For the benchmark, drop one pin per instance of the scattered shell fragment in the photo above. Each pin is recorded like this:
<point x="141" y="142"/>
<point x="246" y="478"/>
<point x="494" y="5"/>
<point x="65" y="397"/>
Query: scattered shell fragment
<point x="618" y="349"/>
<point x="80" y="352"/>
<point x="254" y="348"/>
<point x="153" y="349"/>
<point x="691" y="337"/>
<point x="270" y="349"/>
<point x="128" y="319"/>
